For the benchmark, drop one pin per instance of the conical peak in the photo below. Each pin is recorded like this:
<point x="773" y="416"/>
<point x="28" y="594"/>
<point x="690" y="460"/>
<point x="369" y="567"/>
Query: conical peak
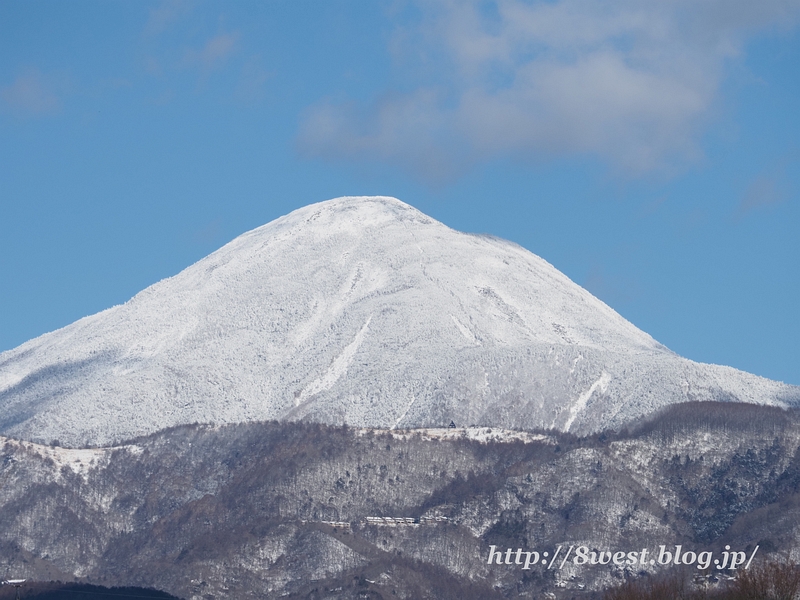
<point x="358" y="310"/>
<point x="364" y="206"/>
<point x="387" y="203"/>
<point x="350" y="212"/>
<point x="347" y="215"/>
<point x="326" y="231"/>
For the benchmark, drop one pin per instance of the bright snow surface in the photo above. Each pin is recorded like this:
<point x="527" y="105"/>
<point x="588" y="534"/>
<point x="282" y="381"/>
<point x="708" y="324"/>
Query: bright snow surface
<point x="362" y="311"/>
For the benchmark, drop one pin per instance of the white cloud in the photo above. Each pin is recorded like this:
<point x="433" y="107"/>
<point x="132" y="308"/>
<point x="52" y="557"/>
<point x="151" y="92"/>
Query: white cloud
<point x="31" y="94"/>
<point x="628" y="81"/>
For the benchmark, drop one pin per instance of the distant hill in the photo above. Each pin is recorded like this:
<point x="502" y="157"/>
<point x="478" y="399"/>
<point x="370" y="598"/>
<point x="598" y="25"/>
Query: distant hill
<point x="308" y="511"/>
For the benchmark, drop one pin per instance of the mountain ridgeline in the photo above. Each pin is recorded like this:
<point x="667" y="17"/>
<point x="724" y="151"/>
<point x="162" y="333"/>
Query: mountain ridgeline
<point x="356" y="311"/>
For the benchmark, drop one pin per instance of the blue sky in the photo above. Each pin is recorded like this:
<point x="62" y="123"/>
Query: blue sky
<point x="650" y="151"/>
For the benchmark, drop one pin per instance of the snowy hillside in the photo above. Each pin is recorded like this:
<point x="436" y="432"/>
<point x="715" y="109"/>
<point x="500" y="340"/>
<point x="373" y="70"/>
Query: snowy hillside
<point x="361" y="311"/>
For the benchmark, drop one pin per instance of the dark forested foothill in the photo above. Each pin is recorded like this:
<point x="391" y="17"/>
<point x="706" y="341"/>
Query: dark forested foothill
<point x="304" y="510"/>
<point x="766" y="581"/>
<point x="33" y="590"/>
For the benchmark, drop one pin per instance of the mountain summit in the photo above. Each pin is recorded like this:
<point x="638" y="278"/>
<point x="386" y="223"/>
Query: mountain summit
<point x="358" y="310"/>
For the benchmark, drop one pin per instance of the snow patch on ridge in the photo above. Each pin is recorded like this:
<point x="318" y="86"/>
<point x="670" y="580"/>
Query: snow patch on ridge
<point x="79" y="461"/>
<point x="466" y="332"/>
<point x="9" y="380"/>
<point x="479" y="434"/>
<point x="405" y="412"/>
<point x="337" y="368"/>
<point x="601" y="383"/>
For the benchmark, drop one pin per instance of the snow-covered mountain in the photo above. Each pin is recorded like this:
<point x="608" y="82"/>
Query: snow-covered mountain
<point x="361" y="311"/>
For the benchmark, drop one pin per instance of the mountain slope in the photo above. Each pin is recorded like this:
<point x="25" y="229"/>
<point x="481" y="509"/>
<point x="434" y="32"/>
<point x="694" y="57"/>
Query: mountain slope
<point x="361" y="311"/>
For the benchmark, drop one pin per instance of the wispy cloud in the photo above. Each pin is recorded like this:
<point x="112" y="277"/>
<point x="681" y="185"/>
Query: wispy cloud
<point x="629" y="81"/>
<point x="214" y="53"/>
<point x="408" y="129"/>
<point x="31" y="94"/>
<point x="765" y="191"/>
<point x="176" y="39"/>
<point x="251" y="88"/>
<point x="165" y="14"/>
